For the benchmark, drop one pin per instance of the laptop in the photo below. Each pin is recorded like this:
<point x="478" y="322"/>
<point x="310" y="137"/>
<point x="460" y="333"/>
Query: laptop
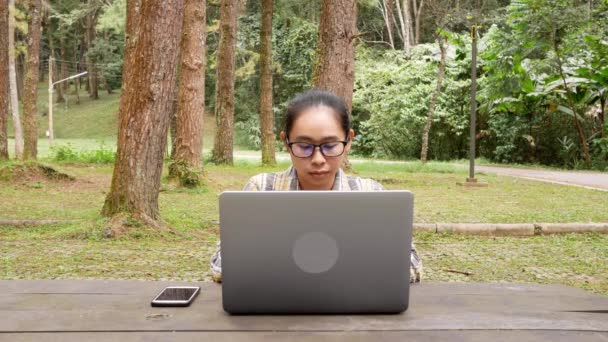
<point x="315" y="252"/>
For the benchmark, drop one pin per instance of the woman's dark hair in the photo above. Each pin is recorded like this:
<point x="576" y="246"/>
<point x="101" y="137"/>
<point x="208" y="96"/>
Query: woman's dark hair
<point x="314" y="98"/>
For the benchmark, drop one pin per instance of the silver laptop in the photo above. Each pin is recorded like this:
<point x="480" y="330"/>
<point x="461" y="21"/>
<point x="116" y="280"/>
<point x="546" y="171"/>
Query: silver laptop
<point x="299" y="252"/>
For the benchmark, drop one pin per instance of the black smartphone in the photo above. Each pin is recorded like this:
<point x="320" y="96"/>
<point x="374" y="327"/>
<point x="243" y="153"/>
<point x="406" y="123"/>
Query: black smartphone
<point x="176" y="296"/>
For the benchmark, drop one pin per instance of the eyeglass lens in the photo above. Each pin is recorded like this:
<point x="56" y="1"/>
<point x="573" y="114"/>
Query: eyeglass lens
<point x="331" y="149"/>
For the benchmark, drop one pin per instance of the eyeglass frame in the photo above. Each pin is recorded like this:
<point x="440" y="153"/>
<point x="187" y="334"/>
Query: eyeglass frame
<point x="344" y="143"/>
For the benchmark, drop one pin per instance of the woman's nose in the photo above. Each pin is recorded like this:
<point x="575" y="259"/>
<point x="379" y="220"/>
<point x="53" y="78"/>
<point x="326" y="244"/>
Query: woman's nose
<point x="317" y="156"/>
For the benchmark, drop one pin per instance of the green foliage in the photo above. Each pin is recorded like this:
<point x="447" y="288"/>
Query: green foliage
<point x="391" y="100"/>
<point x="67" y="153"/>
<point x="542" y="71"/>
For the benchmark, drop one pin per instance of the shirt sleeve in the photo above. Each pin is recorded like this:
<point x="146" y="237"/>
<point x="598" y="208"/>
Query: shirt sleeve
<point x="253" y="184"/>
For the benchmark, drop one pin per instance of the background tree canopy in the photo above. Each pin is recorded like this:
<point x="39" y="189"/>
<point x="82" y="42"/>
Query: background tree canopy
<point x="543" y="71"/>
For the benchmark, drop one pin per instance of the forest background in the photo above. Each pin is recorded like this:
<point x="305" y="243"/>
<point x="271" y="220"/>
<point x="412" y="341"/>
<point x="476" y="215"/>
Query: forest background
<point x="542" y="68"/>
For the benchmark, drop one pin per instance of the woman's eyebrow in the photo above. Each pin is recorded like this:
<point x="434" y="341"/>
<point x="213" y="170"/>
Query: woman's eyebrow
<point x="310" y="139"/>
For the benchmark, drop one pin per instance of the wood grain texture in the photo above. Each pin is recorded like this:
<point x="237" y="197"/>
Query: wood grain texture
<point x="436" y="310"/>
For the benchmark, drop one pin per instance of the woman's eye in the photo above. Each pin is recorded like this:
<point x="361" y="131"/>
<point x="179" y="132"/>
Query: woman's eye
<point x="329" y="147"/>
<point x="304" y="147"/>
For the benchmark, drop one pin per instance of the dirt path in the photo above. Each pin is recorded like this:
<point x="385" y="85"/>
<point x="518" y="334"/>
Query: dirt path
<point x="592" y="180"/>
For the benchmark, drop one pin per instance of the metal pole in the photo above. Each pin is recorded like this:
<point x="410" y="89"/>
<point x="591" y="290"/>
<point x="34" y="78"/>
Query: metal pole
<point x="51" y="101"/>
<point x="473" y="103"/>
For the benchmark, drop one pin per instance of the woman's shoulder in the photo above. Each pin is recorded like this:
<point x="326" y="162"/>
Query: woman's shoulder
<point x="354" y="183"/>
<point x="274" y="181"/>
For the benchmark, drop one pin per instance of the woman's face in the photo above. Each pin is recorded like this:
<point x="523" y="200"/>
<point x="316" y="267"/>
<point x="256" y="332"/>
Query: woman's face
<point x="317" y="125"/>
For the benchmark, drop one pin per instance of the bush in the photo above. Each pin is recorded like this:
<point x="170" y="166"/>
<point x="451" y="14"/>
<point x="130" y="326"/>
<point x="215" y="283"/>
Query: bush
<point x="67" y="153"/>
<point x="390" y="105"/>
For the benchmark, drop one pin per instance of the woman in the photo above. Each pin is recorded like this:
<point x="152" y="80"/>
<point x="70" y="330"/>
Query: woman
<point x="318" y="136"/>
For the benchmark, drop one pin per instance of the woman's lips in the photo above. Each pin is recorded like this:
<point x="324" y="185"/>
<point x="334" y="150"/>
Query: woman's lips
<point x="318" y="174"/>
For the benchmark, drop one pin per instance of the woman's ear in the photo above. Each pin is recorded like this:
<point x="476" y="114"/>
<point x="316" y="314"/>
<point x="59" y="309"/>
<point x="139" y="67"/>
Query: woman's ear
<point x="283" y="138"/>
<point x="351" y="135"/>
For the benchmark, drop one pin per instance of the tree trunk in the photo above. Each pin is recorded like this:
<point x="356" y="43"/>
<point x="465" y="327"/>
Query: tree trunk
<point x="434" y="98"/>
<point x="404" y="20"/>
<point x="13" y="83"/>
<point x="186" y="164"/>
<point x="266" y="115"/>
<point x="91" y="22"/>
<point x="224" y="100"/>
<point x="389" y="27"/>
<point x="577" y="124"/>
<point x="334" y="69"/>
<point x="602" y="118"/>
<point x="152" y="36"/>
<point x="55" y="70"/>
<point x="30" y="109"/>
<point x="418" y="18"/>
<point x="4" y="88"/>
<point x="335" y="66"/>
<point x="63" y="53"/>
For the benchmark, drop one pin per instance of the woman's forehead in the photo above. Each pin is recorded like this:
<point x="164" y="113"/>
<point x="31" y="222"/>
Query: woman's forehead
<point x="319" y="122"/>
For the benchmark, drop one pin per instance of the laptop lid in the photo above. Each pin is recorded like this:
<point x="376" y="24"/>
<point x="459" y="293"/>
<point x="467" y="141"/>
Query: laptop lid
<point x="315" y="251"/>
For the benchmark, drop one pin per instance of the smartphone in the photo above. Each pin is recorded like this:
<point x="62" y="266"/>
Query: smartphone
<point x="176" y="296"/>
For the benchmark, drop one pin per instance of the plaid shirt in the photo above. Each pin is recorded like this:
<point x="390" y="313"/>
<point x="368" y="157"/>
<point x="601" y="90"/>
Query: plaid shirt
<point x="288" y="181"/>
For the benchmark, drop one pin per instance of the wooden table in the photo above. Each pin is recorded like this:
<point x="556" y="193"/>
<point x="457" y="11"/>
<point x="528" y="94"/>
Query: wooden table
<point x="87" y="310"/>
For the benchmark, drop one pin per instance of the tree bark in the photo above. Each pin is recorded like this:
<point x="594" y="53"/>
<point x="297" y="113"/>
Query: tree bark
<point x="404" y="20"/>
<point x="20" y="63"/>
<point x="387" y="22"/>
<point x="153" y="31"/>
<point x="30" y="109"/>
<point x="224" y="94"/>
<point x="12" y="74"/>
<point x="55" y="70"/>
<point x="334" y="69"/>
<point x="266" y="115"/>
<point x="434" y="98"/>
<point x="4" y="88"/>
<point x="335" y="66"/>
<point x="90" y="33"/>
<point x="63" y="53"/>
<point x="418" y="18"/>
<point x="191" y="95"/>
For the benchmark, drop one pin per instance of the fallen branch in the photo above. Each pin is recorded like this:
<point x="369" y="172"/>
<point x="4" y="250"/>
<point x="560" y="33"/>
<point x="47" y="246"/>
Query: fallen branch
<point x="459" y="272"/>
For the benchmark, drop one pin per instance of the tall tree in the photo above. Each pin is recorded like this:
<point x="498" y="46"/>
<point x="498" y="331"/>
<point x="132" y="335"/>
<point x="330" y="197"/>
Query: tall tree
<point x="152" y="36"/>
<point x="224" y="91"/>
<point x="187" y="157"/>
<point x="4" y="80"/>
<point x="335" y="66"/>
<point x="30" y="109"/>
<point x="441" y="40"/>
<point x="417" y="10"/>
<point x="266" y="115"/>
<point x="12" y="75"/>
<point x="90" y="34"/>
<point x="385" y="8"/>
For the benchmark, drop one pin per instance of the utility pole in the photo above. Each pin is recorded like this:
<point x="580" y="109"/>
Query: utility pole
<point x="473" y="103"/>
<point x="50" y="132"/>
<point x="471" y="180"/>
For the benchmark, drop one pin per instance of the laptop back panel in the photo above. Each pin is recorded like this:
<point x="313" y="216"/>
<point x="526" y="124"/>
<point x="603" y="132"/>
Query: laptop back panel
<point x="316" y="252"/>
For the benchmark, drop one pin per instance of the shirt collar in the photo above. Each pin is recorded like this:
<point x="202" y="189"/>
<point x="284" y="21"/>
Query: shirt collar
<point x="294" y="184"/>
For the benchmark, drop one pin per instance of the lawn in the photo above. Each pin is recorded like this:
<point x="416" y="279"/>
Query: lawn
<point x="77" y="249"/>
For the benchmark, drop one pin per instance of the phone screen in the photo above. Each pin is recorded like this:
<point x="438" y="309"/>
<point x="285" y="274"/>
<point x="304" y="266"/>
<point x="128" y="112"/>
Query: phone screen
<point x="176" y="296"/>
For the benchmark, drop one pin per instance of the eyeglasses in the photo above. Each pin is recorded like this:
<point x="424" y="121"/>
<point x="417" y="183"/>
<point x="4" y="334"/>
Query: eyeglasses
<point x="328" y="149"/>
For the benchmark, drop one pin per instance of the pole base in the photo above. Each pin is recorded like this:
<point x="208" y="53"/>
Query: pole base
<point x="472" y="182"/>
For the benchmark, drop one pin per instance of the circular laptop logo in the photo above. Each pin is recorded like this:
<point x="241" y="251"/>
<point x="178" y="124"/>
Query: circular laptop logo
<point x="315" y="252"/>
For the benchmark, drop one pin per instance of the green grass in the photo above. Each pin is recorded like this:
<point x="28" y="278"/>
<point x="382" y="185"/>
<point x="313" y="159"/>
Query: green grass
<point x="77" y="249"/>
